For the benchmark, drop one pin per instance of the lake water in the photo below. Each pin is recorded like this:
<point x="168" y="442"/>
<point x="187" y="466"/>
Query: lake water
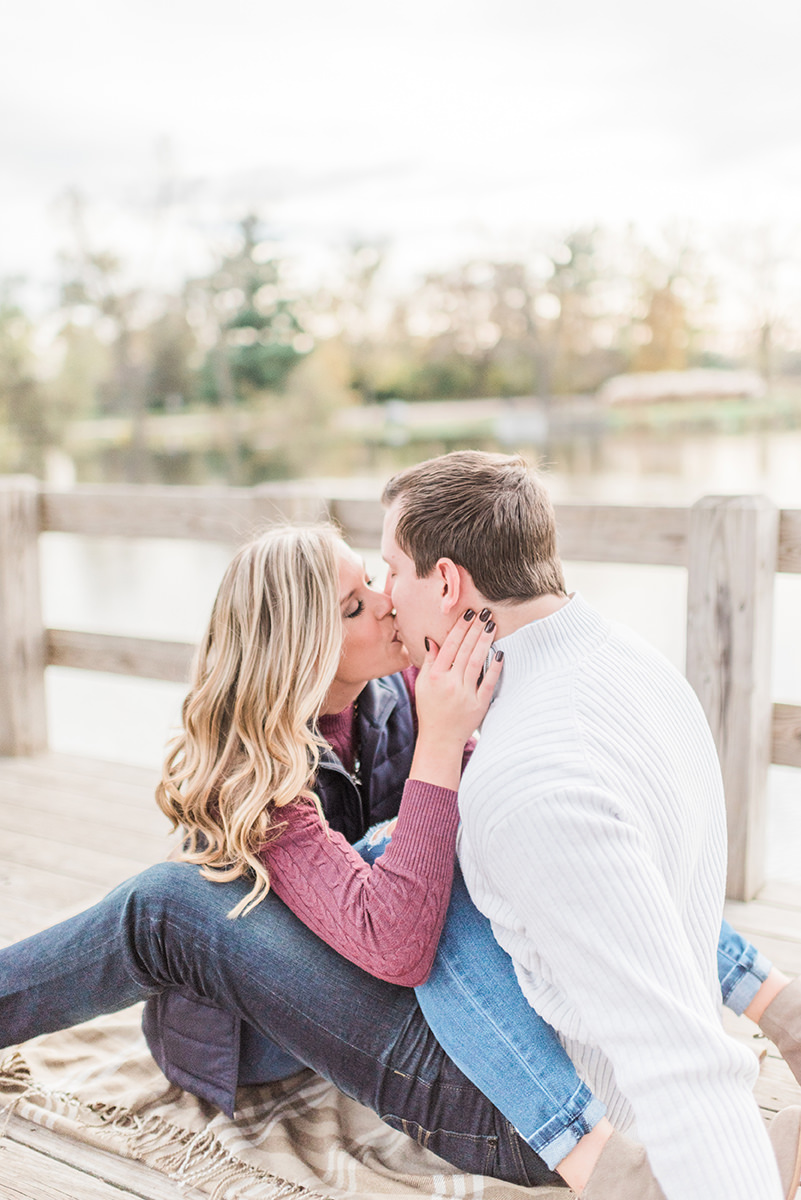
<point x="165" y="589"/>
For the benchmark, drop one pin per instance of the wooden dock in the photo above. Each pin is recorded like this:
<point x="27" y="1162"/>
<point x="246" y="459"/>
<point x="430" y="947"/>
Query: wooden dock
<point x="70" y="829"/>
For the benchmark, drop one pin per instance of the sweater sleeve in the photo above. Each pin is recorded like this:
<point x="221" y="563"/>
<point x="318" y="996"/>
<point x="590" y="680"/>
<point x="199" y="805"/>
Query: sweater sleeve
<point x="609" y="940"/>
<point x="386" y="918"/>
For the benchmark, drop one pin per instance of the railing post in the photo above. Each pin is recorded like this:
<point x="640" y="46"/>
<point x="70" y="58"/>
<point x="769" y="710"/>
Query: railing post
<point x="733" y="546"/>
<point x="23" y="725"/>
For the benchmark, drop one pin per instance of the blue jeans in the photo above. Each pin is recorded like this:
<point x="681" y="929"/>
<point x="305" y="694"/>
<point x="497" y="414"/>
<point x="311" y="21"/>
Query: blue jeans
<point x="168" y="929"/>
<point x="474" y="1006"/>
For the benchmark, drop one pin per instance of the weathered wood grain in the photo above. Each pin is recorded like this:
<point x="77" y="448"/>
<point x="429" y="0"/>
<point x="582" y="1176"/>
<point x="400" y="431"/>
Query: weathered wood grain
<point x="64" y="841"/>
<point x="229" y="515"/>
<point x="786" y="745"/>
<point x="732" y="565"/>
<point x="30" y="1175"/>
<point x="605" y="533"/>
<point x="23" y="725"/>
<point x="148" y="658"/>
<point x="789" y="558"/>
<point x="85" y="1167"/>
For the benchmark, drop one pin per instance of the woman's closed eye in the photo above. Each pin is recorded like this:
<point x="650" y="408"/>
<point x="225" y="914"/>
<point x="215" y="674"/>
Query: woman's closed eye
<point x="356" y="611"/>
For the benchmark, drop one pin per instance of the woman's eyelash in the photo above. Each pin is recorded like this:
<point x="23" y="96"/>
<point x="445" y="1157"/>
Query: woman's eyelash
<point x="358" y="609"/>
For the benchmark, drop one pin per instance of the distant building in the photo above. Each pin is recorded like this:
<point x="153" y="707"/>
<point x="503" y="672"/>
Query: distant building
<point x="700" y="383"/>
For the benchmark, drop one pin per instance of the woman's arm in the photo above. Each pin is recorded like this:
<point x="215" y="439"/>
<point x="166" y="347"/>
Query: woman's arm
<point x="387" y="919"/>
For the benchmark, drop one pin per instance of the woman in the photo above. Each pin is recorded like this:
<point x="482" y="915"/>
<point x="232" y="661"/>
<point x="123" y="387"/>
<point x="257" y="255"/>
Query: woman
<point x="296" y="632"/>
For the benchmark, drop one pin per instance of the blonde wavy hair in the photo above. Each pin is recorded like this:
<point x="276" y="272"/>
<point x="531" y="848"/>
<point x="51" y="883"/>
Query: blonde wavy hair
<point x="248" y="744"/>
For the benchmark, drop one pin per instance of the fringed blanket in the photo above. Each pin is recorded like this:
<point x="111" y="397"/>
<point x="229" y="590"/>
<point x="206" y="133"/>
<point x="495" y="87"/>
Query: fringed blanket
<point x="300" y="1139"/>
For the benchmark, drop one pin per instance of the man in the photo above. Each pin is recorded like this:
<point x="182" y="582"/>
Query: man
<point x="593" y="826"/>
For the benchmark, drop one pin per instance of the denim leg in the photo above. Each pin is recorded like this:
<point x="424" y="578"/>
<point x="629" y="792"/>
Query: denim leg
<point x="260" y="1060"/>
<point x="742" y="969"/>
<point x="475" y="1007"/>
<point x="168" y="929"/>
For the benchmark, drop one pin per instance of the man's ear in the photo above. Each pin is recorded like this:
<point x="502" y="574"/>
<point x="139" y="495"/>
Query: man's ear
<point x="450" y="584"/>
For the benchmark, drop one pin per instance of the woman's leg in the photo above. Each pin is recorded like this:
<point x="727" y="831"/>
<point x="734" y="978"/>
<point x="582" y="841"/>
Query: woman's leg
<point x="168" y="929"/>
<point x="260" y="1060"/>
<point x="473" y="1003"/>
<point x="742" y="969"/>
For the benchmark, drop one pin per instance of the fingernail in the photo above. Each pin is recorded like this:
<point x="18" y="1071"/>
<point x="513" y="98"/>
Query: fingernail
<point x="499" y="655"/>
<point x="428" y="644"/>
<point x="490" y="625"/>
<point x="482" y="616"/>
<point x="468" y="616"/>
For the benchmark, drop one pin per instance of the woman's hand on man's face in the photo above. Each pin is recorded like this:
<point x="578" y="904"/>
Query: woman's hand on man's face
<point x="456" y="683"/>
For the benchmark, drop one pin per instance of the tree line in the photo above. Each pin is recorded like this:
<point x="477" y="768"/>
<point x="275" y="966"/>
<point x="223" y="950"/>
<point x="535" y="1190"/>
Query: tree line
<point x="554" y="322"/>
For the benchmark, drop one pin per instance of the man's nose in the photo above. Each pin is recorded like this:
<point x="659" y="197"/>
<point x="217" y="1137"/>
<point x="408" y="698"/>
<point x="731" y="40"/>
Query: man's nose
<point x="388" y="586"/>
<point x="383" y="603"/>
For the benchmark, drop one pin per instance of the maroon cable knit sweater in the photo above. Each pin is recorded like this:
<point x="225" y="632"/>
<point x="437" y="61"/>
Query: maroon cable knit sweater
<point x="385" y="918"/>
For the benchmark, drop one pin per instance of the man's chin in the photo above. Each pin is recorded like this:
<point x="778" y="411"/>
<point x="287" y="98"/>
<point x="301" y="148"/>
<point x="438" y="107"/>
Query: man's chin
<point x="415" y="659"/>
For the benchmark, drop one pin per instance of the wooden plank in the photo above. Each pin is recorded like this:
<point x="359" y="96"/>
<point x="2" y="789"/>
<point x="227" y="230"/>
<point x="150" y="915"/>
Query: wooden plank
<point x="92" y="867"/>
<point x="126" y="1177"/>
<point x="760" y="918"/>
<point x="786" y="743"/>
<point x="789" y="558"/>
<point x="84" y="828"/>
<point x="29" y="1175"/>
<point x="595" y="533"/>
<point x="72" y="803"/>
<point x="131" y="803"/>
<point x="605" y="533"/>
<point x="361" y="520"/>
<point x="68" y="766"/>
<point x="732" y="566"/>
<point x="147" y="658"/>
<point x="23" y="724"/>
<point x="229" y="515"/>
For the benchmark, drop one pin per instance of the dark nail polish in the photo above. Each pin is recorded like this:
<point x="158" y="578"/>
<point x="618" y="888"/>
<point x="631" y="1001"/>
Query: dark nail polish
<point x="490" y="625"/>
<point x="484" y="614"/>
<point x="468" y="616"/>
<point x="499" y="655"/>
<point x="428" y="644"/>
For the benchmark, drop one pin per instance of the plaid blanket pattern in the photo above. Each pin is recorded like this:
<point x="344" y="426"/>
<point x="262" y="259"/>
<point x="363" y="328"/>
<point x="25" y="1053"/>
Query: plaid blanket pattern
<point x="299" y="1139"/>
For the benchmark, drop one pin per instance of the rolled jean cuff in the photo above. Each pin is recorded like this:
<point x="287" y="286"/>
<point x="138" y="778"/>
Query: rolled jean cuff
<point x="741" y="984"/>
<point x="563" y="1132"/>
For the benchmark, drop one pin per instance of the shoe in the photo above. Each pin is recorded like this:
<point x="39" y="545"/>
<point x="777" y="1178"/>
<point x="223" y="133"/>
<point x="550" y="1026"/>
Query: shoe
<point x="784" y="1132"/>
<point x="781" y="1022"/>
<point x="622" y="1173"/>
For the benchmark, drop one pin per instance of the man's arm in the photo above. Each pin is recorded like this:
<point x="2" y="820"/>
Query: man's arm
<point x="588" y="897"/>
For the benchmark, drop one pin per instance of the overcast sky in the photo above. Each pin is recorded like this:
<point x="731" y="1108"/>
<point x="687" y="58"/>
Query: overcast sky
<point x="437" y="125"/>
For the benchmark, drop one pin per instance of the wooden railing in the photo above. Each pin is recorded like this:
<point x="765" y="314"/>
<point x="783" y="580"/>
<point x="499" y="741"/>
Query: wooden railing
<point x="731" y="547"/>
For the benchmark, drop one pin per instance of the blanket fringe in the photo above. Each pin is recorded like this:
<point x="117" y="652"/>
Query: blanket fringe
<point x="196" y="1160"/>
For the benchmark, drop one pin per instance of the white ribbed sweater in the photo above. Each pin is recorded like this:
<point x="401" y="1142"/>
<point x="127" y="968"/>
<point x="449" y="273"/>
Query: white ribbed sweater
<point x="593" y="837"/>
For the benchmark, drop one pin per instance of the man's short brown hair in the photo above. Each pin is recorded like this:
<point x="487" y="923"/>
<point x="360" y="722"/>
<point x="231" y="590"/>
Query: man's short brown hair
<point x="489" y="513"/>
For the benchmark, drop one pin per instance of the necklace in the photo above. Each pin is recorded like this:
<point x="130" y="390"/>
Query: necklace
<point x="356" y="772"/>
